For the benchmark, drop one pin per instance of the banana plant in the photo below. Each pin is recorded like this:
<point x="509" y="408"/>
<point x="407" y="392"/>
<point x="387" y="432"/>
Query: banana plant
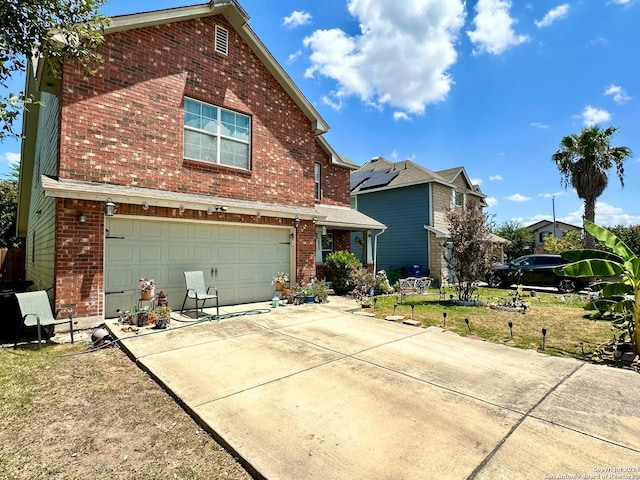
<point x="619" y="300"/>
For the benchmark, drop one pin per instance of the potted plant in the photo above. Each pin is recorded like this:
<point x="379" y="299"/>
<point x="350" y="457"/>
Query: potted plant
<point x="147" y="288"/>
<point x="280" y="280"/>
<point x="162" y="316"/>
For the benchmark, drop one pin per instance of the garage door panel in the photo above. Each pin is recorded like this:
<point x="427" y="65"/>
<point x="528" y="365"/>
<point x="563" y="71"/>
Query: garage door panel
<point x="115" y="278"/>
<point x="241" y="261"/>
<point x="120" y="253"/>
<point x="203" y="253"/>
<point x="227" y="274"/>
<point x="120" y="227"/>
<point x="203" y="232"/>
<point x="178" y="253"/>
<point x="149" y="253"/>
<point x="246" y="253"/>
<point x="178" y="230"/>
<point x="226" y="253"/>
<point x="151" y="230"/>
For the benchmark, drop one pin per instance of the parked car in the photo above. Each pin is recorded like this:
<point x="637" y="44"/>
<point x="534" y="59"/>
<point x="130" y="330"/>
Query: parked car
<point x="536" y="270"/>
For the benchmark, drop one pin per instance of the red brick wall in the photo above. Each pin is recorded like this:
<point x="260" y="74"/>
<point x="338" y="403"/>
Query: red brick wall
<point x="125" y="125"/>
<point x="79" y="282"/>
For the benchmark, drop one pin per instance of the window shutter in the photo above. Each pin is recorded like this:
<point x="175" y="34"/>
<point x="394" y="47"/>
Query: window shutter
<point x="222" y="40"/>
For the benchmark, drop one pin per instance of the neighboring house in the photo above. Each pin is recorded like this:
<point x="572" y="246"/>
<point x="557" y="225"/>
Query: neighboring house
<point x="412" y="201"/>
<point x="546" y="228"/>
<point x="210" y="154"/>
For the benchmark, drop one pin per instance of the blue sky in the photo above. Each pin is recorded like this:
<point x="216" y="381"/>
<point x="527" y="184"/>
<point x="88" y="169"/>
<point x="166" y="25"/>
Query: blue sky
<point x="491" y="85"/>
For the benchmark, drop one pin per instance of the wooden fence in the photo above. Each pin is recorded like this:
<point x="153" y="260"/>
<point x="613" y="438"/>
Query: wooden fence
<point x="12" y="265"/>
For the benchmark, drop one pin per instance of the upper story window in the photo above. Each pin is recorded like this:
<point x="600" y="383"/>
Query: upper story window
<point x="216" y="135"/>
<point x="316" y="178"/>
<point x="458" y="199"/>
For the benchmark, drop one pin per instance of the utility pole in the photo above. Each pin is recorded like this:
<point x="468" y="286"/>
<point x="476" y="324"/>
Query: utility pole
<point x="553" y="205"/>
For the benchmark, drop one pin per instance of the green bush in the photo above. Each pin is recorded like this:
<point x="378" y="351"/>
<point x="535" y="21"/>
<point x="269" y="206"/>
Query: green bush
<point x="364" y="280"/>
<point x="339" y="268"/>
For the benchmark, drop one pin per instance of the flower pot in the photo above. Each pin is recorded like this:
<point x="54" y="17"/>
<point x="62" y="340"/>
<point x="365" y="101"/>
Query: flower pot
<point x="309" y="299"/>
<point x="147" y="294"/>
<point x="279" y="285"/>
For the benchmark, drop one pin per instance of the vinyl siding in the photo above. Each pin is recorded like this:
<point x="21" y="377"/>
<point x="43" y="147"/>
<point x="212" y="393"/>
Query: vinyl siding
<point x="405" y="212"/>
<point x="40" y="245"/>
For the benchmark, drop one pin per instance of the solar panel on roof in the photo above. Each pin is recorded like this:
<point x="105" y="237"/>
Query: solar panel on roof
<point x="379" y="178"/>
<point x="358" y="177"/>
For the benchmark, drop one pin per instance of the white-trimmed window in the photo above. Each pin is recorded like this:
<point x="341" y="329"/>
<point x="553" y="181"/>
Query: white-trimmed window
<point x="316" y="179"/>
<point x="458" y="199"/>
<point x="216" y="135"/>
<point x="326" y="245"/>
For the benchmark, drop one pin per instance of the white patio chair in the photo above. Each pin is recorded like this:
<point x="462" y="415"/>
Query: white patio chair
<point x="197" y="290"/>
<point x="35" y="311"/>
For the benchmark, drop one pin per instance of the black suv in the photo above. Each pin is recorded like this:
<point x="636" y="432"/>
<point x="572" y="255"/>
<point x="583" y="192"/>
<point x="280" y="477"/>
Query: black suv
<point x="535" y="270"/>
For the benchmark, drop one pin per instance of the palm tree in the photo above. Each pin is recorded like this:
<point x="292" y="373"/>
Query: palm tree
<point x="584" y="160"/>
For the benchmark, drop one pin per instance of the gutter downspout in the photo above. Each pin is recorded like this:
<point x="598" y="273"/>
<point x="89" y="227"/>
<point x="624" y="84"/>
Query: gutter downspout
<point x="375" y="250"/>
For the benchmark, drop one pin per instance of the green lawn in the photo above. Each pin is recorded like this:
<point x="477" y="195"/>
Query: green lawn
<point x="568" y="332"/>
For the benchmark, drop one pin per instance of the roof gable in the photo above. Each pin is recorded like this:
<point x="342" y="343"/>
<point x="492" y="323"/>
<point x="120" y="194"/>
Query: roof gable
<point x="236" y="16"/>
<point x="383" y="174"/>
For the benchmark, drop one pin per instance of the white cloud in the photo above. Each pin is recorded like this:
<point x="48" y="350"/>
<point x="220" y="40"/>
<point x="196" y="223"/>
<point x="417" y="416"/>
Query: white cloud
<point x="491" y="201"/>
<point x="475" y="181"/>
<point x="538" y="125"/>
<point x="606" y="215"/>
<point x="294" y="56"/>
<point x="399" y="59"/>
<point x="593" y="116"/>
<point x="621" y="2"/>
<point x="494" y="178"/>
<point x="561" y="11"/>
<point x="618" y="94"/>
<point x="561" y="193"/>
<point x="297" y="19"/>
<point x="516" y="197"/>
<point x="401" y="116"/>
<point x="494" y="28"/>
<point x="11" y="158"/>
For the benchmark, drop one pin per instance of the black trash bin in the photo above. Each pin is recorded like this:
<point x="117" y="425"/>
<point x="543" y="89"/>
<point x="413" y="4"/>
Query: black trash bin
<point x="9" y="310"/>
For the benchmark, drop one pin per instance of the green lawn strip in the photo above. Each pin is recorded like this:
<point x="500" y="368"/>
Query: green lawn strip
<point x="568" y="332"/>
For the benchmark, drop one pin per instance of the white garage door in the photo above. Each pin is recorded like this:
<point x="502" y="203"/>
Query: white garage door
<point x="239" y="260"/>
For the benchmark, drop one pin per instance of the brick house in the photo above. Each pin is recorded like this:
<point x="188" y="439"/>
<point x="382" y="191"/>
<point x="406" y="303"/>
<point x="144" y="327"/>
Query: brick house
<point x="412" y="201"/>
<point x="210" y="154"/>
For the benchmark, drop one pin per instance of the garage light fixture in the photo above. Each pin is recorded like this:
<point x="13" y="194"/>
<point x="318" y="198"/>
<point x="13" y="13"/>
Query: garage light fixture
<point x="82" y="218"/>
<point x="145" y="206"/>
<point x="210" y="211"/>
<point x="221" y="208"/>
<point x="182" y="208"/>
<point x="296" y="222"/>
<point x="109" y="208"/>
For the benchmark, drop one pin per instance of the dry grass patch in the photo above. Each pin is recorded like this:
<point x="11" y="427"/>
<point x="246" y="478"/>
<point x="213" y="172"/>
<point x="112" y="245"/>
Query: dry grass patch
<point x="97" y="416"/>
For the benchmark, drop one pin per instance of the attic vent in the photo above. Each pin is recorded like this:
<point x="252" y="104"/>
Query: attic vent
<point x="222" y="40"/>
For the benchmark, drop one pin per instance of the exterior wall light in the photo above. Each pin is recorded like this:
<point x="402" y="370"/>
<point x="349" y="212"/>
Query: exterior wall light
<point x="109" y="208"/>
<point x="145" y="206"/>
<point x="296" y="222"/>
<point x="82" y="218"/>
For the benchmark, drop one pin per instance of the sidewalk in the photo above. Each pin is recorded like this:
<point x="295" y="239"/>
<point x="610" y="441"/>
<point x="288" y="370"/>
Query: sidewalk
<point x="318" y="392"/>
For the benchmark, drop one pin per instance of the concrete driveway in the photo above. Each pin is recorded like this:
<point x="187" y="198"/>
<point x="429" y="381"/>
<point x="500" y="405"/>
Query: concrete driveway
<point x="318" y="392"/>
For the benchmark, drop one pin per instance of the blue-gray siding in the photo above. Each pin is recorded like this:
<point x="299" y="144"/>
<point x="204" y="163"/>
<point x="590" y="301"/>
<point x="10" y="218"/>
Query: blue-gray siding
<point x="405" y="212"/>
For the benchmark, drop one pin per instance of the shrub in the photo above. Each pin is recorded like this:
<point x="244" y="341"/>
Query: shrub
<point x="339" y="268"/>
<point x="363" y="281"/>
